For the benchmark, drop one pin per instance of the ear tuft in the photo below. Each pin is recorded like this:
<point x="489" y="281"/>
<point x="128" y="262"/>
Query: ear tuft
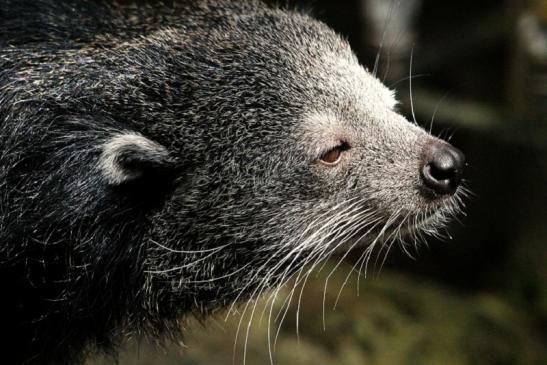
<point x="130" y="156"/>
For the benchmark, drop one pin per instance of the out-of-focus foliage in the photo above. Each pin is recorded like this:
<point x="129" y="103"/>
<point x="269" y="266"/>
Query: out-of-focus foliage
<point x="394" y="320"/>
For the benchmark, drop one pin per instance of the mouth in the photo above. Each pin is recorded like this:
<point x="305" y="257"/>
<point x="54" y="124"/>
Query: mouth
<point x="422" y="223"/>
<point x="409" y="227"/>
<point x="433" y="220"/>
<point x="416" y="225"/>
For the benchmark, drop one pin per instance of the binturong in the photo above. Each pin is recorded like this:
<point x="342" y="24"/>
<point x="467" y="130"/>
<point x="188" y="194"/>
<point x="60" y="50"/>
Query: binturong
<point x="162" y="161"/>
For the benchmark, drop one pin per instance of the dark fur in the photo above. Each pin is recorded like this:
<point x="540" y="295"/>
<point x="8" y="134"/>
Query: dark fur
<point x="219" y="86"/>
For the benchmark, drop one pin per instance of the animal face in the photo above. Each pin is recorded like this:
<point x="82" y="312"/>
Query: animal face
<point x="364" y="149"/>
<point x="306" y="156"/>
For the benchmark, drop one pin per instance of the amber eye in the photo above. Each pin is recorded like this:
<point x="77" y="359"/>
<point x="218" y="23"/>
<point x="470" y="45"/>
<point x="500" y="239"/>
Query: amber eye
<point x="332" y="156"/>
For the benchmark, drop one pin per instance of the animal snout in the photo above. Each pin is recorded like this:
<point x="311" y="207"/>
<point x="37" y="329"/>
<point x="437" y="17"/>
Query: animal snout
<point x="442" y="167"/>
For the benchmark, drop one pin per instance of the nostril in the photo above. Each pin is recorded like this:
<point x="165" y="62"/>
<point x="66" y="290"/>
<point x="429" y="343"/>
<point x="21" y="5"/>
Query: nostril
<point x="443" y="165"/>
<point x="440" y="173"/>
<point x="443" y="168"/>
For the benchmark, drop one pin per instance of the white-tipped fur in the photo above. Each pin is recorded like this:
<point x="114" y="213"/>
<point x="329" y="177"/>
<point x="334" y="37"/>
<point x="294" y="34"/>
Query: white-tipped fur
<point x="109" y="162"/>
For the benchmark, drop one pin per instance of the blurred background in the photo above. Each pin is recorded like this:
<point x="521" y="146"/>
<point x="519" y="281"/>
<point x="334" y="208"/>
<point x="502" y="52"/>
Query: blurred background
<point x="478" y="68"/>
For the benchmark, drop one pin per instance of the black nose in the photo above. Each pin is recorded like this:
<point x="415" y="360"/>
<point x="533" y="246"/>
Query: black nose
<point x="443" y="168"/>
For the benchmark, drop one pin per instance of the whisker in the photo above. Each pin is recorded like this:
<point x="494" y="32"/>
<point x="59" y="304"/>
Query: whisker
<point x="216" y="249"/>
<point x="381" y="46"/>
<point x="410" y="86"/>
<point x="436" y="111"/>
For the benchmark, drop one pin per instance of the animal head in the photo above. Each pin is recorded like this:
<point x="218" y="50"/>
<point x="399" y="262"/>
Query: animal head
<point x="284" y="150"/>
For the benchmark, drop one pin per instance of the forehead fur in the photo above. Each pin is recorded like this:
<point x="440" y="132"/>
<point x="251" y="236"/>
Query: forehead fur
<point x="368" y="89"/>
<point x="355" y="97"/>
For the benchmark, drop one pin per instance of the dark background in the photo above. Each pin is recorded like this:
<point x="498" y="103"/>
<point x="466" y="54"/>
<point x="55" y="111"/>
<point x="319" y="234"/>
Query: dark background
<point x="480" y="297"/>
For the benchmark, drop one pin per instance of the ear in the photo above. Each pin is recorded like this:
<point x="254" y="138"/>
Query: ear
<point x="128" y="157"/>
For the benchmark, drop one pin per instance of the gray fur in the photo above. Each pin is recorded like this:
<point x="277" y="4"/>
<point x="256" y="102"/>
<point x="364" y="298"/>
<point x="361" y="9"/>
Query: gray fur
<point x="218" y="196"/>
